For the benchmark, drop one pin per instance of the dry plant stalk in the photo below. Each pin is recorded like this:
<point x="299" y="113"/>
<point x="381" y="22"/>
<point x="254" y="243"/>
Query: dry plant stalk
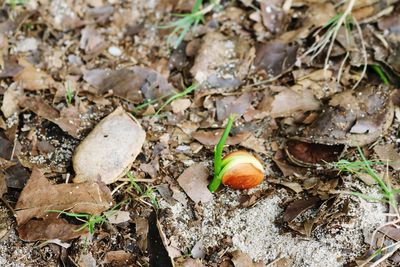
<point x="329" y="37"/>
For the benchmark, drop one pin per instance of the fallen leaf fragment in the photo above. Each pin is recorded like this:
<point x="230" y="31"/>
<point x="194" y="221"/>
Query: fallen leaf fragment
<point x="275" y="57"/>
<point x="118" y="216"/>
<point x="194" y="181"/>
<point x="241" y="259"/>
<point x="31" y="78"/>
<point x="110" y="148"/>
<point x="211" y="138"/>
<point x="189" y="262"/>
<point x="118" y="258"/>
<point x="299" y="206"/>
<point x="217" y="51"/>
<point x="39" y="196"/>
<point x="10" y="100"/>
<point x="5" y="164"/>
<point x="288" y="102"/>
<point x="51" y="227"/>
<point x="388" y="153"/>
<point x="129" y="84"/>
<point x="142" y="229"/>
<point x="3" y="185"/>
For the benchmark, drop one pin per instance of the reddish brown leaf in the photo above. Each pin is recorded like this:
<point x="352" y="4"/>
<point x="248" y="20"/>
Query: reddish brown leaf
<point x="51" y="227"/>
<point x="39" y="196"/>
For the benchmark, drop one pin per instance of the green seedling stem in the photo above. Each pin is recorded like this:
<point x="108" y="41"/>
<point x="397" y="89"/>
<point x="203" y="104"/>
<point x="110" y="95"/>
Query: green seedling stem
<point x="380" y="73"/>
<point x="216" y="182"/>
<point x="89" y="220"/>
<point x="183" y="25"/>
<point x="176" y="96"/>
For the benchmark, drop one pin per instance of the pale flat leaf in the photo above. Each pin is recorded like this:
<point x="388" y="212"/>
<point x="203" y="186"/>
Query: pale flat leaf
<point x="194" y="182"/>
<point x="110" y="148"/>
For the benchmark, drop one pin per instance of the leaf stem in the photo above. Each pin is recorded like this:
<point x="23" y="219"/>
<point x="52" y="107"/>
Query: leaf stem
<point x="216" y="182"/>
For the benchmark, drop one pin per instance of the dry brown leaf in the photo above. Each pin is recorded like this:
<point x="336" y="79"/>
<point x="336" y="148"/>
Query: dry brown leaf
<point x="273" y="16"/>
<point x="110" y="148"/>
<point x="119" y="216"/>
<point x="11" y="99"/>
<point x="38" y="105"/>
<point x="129" y="84"/>
<point x="275" y="58"/>
<point x="142" y="229"/>
<point x="118" y="258"/>
<point x="299" y="206"/>
<point x="5" y="164"/>
<point x="31" y="78"/>
<point x="216" y="52"/>
<point x="92" y="41"/>
<point x="3" y="185"/>
<point x="311" y="154"/>
<point x="388" y="153"/>
<point x="68" y="119"/>
<point x="232" y="105"/>
<point x="353" y="118"/>
<point x="241" y="259"/>
<point x="194" y="181"/>
<point x="51" y="227"/>
<point x="39" y="196"/>
<point x="288" y="102"/>
<point x="211" y="138"/>
<point x="190" y="263"/>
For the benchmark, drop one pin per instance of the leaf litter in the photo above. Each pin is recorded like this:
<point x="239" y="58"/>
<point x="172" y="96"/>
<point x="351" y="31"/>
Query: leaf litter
<point x="67" y="67"/>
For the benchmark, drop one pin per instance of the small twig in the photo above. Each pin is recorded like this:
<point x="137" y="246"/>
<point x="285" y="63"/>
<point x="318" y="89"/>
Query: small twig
<point x="118" y="187"/>
<point x="364" y="51"/>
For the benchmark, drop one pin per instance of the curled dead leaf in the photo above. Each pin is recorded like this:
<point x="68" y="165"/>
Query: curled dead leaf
<point x="39" y="196"/>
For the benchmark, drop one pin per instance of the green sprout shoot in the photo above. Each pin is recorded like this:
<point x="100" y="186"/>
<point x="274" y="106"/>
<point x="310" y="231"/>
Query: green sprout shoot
<point x="365" y="166"/>
<point x="69" y="93"/>
<point x="176" y="96"/>
<point x="380" y="73"/>
<point x="183" y="25"/>
<point x="14" y="3"/>
<point x="217" y="180"/>
<point x="144" y="195"/>
<point x="89" y="220"/>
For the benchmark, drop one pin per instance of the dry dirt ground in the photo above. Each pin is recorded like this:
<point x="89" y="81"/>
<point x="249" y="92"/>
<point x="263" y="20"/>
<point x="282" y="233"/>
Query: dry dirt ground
<point x="110" y="112"/>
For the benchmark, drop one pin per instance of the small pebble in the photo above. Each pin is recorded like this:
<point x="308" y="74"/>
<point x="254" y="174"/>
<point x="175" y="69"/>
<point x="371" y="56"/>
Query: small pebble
<point x="115" y="51"/>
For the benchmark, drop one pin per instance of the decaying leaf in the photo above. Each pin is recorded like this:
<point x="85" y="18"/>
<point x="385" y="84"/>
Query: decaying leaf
<point x="129" y="84"/>
<point x="194" y="181"/>
<point x="51" y="227"/>
<point x="369" y="109"/>
<point x="3" y="185"/>
<point x="275" y="57"/>
<point x="232" y="105"/>
<point x="118" y="258"/>
<point x="39" y="196"/>
<point x="142" y="230"/>
<point x="298" y="207"/>
<point x="241" y="259"/>
<point x="110" y="149"/>
<point x="211" y="138"/>
<point x="388" y="154"/>
<point x="10" y="100"/>
<point x="31" y="78"/>
<point x="68" y="119"/>
<point x="309" y="154"/>
<point x="216" y="53"/>
<point x="5" y="164"/>
<point x="288" y="102"/>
